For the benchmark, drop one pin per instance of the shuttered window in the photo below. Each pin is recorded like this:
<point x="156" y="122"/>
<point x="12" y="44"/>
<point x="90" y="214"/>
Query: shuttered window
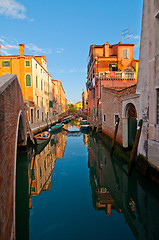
<point x="36" y="82"/>
<point x="27" y="63"/>
<point x="125" y="53"/>
<point x="5" y="64"/>
<point x="28" y="80"/>
<point x="50" y="104"/>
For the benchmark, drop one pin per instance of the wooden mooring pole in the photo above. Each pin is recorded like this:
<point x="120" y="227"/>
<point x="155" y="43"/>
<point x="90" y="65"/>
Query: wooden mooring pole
<point x="134" y="150"/>
<point x="115" y="133"/>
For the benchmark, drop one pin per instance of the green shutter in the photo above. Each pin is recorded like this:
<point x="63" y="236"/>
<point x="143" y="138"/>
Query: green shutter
<point x="28" y="80"/>
<point x="27" y="63"/>
<point x="50" y="104"/>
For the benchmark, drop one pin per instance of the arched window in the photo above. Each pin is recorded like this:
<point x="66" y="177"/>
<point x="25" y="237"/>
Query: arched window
<point x="28" y="80"/>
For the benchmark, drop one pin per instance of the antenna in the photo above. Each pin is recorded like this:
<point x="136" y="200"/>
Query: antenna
<point x="125" y="33"/>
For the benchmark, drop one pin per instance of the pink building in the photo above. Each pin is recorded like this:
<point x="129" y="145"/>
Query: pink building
<point x="111" y="66"/>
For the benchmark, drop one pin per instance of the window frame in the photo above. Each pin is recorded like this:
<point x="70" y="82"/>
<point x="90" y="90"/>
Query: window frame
<point x="26" y="80"/>
<point x="127" y="53"/>
<point x="37" y="85"/>
<point x="104" y="118"/>
<point x="27" y="61"/>
<point x="4" y="62"/>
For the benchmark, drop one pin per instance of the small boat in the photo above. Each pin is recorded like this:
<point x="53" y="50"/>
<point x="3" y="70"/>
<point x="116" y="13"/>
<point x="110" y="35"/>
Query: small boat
<point x="56" y="128"/>
<point x="66" y="120"/>
<point x="83" y="122"/>
<point x="84" y="127"/>
<point x="42" y="137"/>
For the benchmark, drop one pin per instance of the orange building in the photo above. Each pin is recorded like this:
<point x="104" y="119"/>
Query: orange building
<point x="111" y="66"/>
<point x="35" y="82"/>
<point x="59" y="96"/>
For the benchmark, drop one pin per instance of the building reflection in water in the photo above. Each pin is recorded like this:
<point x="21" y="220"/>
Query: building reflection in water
<point x="42" y="165"/>
<point x="134" y="197"/>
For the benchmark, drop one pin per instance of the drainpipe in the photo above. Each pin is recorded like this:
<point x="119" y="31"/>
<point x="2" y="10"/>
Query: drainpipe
<point x="98" y="104"/>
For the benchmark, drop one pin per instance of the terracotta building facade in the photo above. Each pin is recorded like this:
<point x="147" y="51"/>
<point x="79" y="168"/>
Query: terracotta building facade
<point x="111" y="66"/>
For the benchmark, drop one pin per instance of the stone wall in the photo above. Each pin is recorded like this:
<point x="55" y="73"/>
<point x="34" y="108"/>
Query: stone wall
<point x="112" y="105"/>
<point x="148" y="81"/>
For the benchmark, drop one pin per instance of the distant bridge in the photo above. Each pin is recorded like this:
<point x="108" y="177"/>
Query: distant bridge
<point x="72" y="133"/>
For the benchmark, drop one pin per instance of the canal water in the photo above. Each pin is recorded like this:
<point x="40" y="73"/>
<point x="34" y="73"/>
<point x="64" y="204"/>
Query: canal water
<point x="72" y="189"/>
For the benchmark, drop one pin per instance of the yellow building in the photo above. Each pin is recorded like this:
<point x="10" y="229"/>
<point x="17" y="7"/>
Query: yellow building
<point x="78" y="106"/>
<point x="35" y="82"/>
<point x="84" y="101"/>
<point x="59" y="96"/>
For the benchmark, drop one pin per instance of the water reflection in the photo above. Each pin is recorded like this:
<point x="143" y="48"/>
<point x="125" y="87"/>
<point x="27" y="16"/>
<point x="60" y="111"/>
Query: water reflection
<point x="42" y="165"/>
<point x="34" y="170"/>
<point x="133" y="197"/>
<point x="112" y="191"/>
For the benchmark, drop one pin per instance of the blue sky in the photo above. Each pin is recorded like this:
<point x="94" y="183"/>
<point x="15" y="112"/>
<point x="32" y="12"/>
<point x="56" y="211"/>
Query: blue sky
<point x="63" y="31"/>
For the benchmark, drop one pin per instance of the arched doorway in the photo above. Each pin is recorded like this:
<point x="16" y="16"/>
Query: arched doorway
<point x="131" y="115"/>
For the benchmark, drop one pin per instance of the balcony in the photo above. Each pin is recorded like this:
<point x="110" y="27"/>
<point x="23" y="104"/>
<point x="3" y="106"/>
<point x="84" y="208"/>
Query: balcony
<point x="116" y="75"/>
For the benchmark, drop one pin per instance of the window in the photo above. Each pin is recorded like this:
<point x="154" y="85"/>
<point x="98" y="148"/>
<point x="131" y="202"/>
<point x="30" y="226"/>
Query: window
<point x="36" y="82"/>
<point x="104" y="118"/>
<point x="37" y="100"/>
<point x="28" y="80"/>
<point x="5" y="64"/>
<point x="93" y="93"/>
<point x="36" y="65"/>
<point x="33" y="189"/>
<point x="32" y="174"/>
<point x="40" y="172"/>
<point x="27" y="63"/>
<point x="50" y="104"/>
<point x="41" y="71"/>
<point x="113" y="67"/>
<point x="125" y="53"/>
<point x="129" y="75"/>
<point x="116" y="118"/>
<point x="42" y="102"/>
<point x="41" y="84"/>
<point x="38" y="114"/>
<point x="157" y="106"/>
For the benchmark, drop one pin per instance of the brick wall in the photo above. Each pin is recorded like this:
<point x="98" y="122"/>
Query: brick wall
<point x="11" y="103"/>
<point x="111" y="106"/>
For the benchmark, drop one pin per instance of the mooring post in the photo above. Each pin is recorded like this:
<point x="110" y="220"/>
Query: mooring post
<point x="115" y="133"/>
<point x="134" y="150"/>
<point x="29" y="128"/>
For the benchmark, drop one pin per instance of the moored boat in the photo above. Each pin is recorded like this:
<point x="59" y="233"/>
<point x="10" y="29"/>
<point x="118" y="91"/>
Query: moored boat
<point x="66" y="120"/>
<point x="84" y="127"/>
<point x="56" y="128"/>
<point x="42" y="137"/>
<point x="83" y="122"/>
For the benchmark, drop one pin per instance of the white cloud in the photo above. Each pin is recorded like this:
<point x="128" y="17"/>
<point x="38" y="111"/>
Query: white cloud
<point x="12" y="8"/>
<point x="135" y="37"/>
<point x="8" y="46"/>
<point x="35" y="49"/>
<point x="59" y="50"/>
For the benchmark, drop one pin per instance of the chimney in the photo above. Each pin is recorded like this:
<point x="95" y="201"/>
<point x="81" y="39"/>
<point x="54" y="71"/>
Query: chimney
<point x="0" y="49"/>
<point x="106" y="49"/>
<point x="21" y="49"/>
